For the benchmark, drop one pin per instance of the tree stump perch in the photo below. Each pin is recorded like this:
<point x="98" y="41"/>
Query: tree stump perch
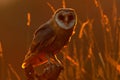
<point x="49" y="72"/>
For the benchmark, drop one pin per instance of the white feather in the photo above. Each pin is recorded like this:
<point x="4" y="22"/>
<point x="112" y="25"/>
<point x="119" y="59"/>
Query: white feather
<point x="62" y="24"/>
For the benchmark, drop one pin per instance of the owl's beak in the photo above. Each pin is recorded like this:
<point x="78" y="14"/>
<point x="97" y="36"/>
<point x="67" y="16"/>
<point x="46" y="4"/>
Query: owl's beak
<point x="66" y="20"/>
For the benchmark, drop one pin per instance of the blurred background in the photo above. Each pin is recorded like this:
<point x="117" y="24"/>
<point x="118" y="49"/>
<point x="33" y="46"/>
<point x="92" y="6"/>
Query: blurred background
<point x="16" y="35"/>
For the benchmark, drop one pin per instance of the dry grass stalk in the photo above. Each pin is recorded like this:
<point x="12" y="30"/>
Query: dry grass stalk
<point x="113" y="63"/>
<point x="28" y="19"/>
<point x="72" y="60"/>
<point x="96" y="3"/>
<point x="76" y="58"/>
<point x="114" y="13"/>
<point x="9" y="75"/>
<point x="101" y="73"/>
<point x="1" y="50"/>
<point x="101" y="59"/>
<point x="110" y="65"/>
<point x="51" y="7"/>
<point x="82" y="28"/>
<point x="63" y="4"/>
<point x="14" y="72"/>
<point x="2" y="67"/>
<point x="108" y="42"/>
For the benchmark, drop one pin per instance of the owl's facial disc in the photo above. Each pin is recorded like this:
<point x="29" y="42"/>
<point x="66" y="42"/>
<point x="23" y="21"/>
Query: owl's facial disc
<point x="65" y="18"/>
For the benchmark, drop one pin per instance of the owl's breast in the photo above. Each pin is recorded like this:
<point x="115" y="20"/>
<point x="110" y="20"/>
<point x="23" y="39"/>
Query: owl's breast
<point x="62" y="38"/>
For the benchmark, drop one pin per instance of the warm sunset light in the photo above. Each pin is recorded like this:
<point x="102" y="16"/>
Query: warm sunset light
<point x="59" y="39"/>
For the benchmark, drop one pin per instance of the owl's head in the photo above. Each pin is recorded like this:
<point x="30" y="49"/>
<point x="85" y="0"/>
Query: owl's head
<point x="65" y="18"/>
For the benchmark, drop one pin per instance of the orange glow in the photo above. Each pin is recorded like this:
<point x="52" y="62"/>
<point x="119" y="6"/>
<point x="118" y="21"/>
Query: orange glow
<point x="106" y="21"/>
<point x="23" y="65"/>
<point x="1" y="50"/>
<point x="90" y="53"/>
<point x="93" y="50"/>
<point x="28" y="19"/>
<point x="113" y="63"/>
<point x="51" y="7"/>
<point x="119" y="21"/>
<point x="118" y="68"/>
<point x="100" y="71"/>
<point x="96" y="3"/>
<point x="71" y="60"/>
<point x="63" y="4"/>
<point x="83" y="70"/>
<point x="89" y="56"/>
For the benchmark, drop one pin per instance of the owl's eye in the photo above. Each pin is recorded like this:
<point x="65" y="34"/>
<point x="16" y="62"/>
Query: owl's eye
<point x="61" y="17"/>
<point x="70" y="17"/>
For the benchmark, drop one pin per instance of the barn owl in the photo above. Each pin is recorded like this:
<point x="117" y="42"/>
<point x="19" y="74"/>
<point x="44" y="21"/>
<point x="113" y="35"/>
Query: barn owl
<point x="51" y="37"/>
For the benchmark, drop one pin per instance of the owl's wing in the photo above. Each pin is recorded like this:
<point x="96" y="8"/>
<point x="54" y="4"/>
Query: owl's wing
<point x="43" y="37"/>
